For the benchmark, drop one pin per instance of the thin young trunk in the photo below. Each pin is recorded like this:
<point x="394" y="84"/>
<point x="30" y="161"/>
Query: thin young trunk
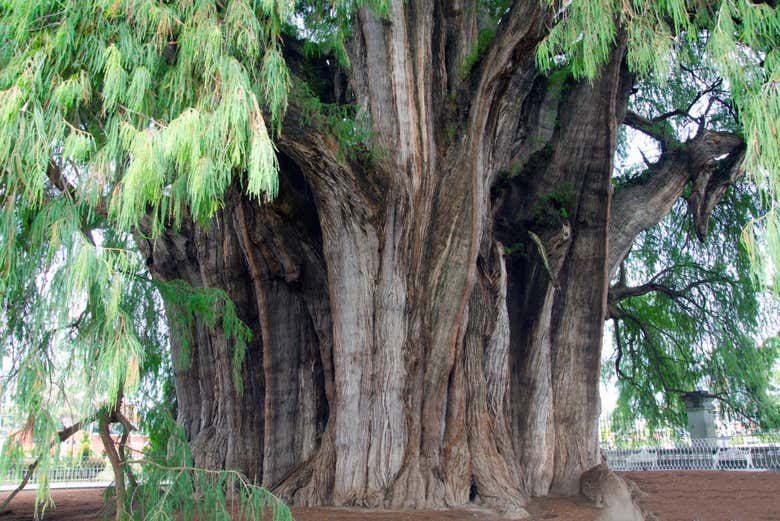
<point x="116" y="465"/>
<point x="62" y="435"/>
<point x="7" y="501"/>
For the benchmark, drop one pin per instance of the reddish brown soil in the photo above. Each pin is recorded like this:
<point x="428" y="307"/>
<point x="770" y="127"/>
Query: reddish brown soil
<point x="87" y="505"/>
<point x="672" y="496"/>
<point x="710" y="496"/>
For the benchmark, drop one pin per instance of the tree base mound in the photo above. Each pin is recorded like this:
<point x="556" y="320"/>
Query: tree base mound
<point x="616" y="496"/>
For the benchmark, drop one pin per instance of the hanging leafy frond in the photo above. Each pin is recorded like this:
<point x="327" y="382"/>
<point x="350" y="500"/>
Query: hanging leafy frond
<point x="189" y="307"/>
<point x="170" y="481"/>
<point x="696" y="318"/>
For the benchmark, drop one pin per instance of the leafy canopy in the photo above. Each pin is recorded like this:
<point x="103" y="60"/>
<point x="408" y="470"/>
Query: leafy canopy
<point x="740" y="40"/>
<point x="697" y="318"/>
<point x="704" y="326"/>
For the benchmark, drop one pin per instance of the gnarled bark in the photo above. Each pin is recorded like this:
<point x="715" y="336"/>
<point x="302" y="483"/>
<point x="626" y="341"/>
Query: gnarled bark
<point x="427" y="324"/>
<point x="709" y="162"/>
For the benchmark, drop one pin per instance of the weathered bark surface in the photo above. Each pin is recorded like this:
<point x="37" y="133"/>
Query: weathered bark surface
<point x="271" y="267"/>
<point x="709" y="162"/>
<point x="559" y="303"/>
<point x="427" y="325"/>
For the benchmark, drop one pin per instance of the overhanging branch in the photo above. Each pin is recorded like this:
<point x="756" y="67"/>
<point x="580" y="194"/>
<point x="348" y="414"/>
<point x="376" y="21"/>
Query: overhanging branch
<point x="655" y="128"/>
<point x="619" y="293"/>
<point x="711" y="162"/>
<point x="62" y="435"/>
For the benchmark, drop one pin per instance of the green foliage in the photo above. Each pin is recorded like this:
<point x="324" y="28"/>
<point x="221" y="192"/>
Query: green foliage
<point x="554" y="207"/>
<point x="172" y="488"/>
<point x="347" y="124"/>
<point x="519" y="248"/>
<point x="119" y="119"/>
<point x="484" y="39"/>
<point x="740" y="40"/>
<point x="326" y="25"/>
<point x="189" y="307"/>
<point x="704" y="330"/>
<point x="451" y="131"/>
<point x="275" y="80"/>
<point x="82" y="323"/>
<point x="177" y="94"/>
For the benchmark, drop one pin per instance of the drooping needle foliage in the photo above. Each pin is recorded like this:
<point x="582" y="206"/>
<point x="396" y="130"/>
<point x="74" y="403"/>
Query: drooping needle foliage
<point x="741" y="41"/>
<point x="695" y="315"/>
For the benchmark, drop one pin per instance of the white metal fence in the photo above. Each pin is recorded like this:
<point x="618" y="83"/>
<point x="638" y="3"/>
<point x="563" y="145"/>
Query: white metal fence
<point x="91" y="473"/>
<point x="724" y="453"/>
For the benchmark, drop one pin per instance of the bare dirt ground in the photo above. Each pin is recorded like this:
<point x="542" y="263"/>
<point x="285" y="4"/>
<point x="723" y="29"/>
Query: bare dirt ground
<point x="710" y="495"/>
<point x="672" y="496"/>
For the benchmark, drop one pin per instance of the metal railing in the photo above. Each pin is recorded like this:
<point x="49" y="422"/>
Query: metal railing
<point x="92" y="473"/>
<point x="723" y="453"/>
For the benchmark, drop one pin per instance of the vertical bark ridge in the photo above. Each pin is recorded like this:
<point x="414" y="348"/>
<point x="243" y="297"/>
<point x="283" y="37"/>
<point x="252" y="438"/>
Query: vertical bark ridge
<point x="389" y="437"/>
<point x="271" y="268"/>
<point x="580" y="306"/>
<point x="531" y="381"/>
<point x="493" y="464"/>
<point x="396" y="85"/>
<point x="291" y="366"/>
<point x="222" y="434"/>
<point x="556" y="216"/>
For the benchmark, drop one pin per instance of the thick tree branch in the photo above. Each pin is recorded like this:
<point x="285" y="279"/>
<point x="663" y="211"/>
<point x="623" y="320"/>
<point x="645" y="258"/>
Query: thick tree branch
<point x="708" y="190"/>
<point x="655" y="128"/>
<point x="658" y="127"/>
<point x="619" y="293"/>
<point x="521" y="29"/>
<point x="711" y="162"/>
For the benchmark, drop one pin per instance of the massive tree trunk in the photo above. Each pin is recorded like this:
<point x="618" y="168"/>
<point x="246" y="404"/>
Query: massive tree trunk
<point x="428" y="323"/>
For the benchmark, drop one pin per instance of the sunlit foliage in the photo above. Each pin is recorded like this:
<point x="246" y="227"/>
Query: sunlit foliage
<point x="703" y="327"/>
<point x="709" y="322"/>
<point x="741" y="42"/>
